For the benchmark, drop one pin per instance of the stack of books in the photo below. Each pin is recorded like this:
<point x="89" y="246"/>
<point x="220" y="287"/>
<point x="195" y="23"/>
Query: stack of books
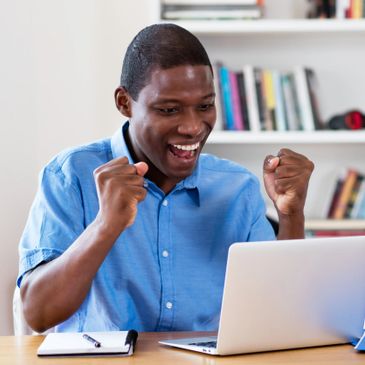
<point x="211" y="9"/>
<point x="257" y="99"/>
<point x="340" y="9"/>
<point x="348" y="197"/>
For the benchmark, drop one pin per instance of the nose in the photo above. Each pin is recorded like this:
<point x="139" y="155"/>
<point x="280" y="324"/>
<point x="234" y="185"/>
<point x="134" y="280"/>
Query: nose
<point x="191" y="123"/>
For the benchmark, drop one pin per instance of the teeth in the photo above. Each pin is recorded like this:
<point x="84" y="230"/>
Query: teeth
<point x="191" y="147"/>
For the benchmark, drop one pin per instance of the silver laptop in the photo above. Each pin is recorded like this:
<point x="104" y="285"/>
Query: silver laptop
<point x="289" y="294"/>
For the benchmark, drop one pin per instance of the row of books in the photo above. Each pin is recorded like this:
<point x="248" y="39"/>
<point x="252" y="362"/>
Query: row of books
<point x="257" y="99"/>
<point x="340" y="9"/>
<point x="348" y="197"/>
<point x="211" y="9"/>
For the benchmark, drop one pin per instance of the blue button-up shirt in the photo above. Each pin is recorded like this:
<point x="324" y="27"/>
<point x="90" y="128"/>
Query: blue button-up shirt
<point x="166" y="271"/>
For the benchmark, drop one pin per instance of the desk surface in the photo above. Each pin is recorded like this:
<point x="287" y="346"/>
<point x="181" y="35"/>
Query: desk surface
<point x="22" y="350"/>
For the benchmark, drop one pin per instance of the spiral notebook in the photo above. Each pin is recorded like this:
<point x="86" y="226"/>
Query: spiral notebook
<point x="116" y="343"/>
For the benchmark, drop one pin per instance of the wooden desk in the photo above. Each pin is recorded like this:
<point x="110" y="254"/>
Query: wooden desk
<point x="22" y="350"/>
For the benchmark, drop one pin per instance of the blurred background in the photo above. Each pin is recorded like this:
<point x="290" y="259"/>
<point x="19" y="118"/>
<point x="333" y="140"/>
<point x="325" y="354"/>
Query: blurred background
<point x="60" y="63"/>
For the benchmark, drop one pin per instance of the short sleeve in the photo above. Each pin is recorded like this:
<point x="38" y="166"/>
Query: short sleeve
<point x="56" y="219"/>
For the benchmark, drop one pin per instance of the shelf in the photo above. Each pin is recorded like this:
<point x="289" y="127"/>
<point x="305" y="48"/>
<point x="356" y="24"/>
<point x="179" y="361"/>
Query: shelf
<point x="270" y="26"/>
<point x="335" y="224"/>
<point x="297" y="137"/>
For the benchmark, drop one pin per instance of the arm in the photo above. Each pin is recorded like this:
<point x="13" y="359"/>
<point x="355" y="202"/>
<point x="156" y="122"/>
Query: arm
<point x="54" y="291"/>
<point x="286" y="178"/>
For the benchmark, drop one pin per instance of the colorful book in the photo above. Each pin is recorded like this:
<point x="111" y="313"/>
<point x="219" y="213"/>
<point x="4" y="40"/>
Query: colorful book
<point x="236" y="104"/>
<point x="219" y="124"/>
<point x="280" y="118"/>
<point x="243" y="100"/>
<point x="345" y="193"/>
<point x="290" y="102"/>
<point x="305" y="107"/>
<point x="252" y="105"/>
<point x="259" y="97"/>
<point x="358" y="211"/>
<point x="227" y="97"/>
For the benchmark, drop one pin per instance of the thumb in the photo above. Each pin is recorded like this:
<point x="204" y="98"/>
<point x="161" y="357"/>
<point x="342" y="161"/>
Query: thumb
<point x="271" y="163"/>
<point x="141" y="167"/>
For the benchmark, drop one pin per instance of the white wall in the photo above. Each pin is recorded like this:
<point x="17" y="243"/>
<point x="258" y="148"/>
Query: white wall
<point x="60" y="64"/>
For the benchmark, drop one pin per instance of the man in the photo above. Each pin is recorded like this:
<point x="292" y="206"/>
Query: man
<point x="133" y="231"/>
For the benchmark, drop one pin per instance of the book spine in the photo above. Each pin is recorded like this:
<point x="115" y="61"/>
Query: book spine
<point x="335" y="195"/>
<point x="313" y="97"/>
<point x="270" y="98"/>
<point x="259" y="96"/>
<point x="266" y="122"/>
<point x="227" y="97"/>
<point x="243" y="100"/>
<point x="353" y="196"/>
<point x="219" y="124"/>
<point x="345" y="194"/>
<point x="306" y="114"/>
<point x="252" y="105"/>
<point x="281" y="124"/>
<point x="358" y="211"/>
<point x="236" y="105"/>
<point x="290" y="102"/>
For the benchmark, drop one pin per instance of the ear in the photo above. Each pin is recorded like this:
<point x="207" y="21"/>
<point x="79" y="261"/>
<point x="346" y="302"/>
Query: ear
<point x="123" y="101"/>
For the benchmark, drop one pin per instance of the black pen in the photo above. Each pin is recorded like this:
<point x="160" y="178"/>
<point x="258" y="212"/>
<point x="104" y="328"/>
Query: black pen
<point x="92" y="340"/>
<point x="131" y="338"/>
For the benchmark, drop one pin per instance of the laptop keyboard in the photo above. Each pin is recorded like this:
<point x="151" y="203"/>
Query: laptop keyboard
<point x="212" y="344"/>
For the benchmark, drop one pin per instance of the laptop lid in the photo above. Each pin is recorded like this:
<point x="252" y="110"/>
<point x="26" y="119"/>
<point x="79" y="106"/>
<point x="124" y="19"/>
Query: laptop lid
<point x="294" y="293"/>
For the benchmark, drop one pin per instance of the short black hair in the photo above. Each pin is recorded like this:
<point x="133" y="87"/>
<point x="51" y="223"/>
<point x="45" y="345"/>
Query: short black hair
<point x="159" y="46"/>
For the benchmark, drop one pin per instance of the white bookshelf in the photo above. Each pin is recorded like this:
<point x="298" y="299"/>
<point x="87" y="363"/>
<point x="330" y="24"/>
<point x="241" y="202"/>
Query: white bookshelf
<point x="298" y="137"/>
<point x="333" y="48"/>
<point x="269" y="26"/>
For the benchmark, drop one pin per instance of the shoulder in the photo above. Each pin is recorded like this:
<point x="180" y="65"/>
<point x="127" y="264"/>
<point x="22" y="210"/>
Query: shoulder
<point x="80" y="160"/>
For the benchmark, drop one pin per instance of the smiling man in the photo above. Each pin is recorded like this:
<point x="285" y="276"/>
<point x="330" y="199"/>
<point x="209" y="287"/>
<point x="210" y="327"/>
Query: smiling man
<point x="133" y="231"/>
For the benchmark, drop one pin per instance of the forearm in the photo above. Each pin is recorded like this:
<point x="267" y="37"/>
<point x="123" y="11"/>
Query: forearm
<point x="291" y="226"/>
<point x="54" y="291"/>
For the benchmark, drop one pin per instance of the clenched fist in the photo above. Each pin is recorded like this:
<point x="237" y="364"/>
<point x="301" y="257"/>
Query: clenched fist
<point x="286" y="178"/>
<point x="120" y="187"/>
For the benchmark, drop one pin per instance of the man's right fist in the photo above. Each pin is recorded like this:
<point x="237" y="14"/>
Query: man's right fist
<point x="120" y="187"/>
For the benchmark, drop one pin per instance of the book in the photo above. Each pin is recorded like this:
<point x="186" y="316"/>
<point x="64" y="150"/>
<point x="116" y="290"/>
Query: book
<point x="312" y="84"/>
<point x="345" y="194"/>
<point x="290" y="102"/>
<point x="236" y="104"/>
<point x="335" y="194"/>
<point x="243" y="100"/>
<point x="252" y="106"/>
<point x="260" y="97"/>
<point x="305" y="107"/>
<point x="219" y="124"/>
<point x="226" y="92"/>
<point x="280" y="118"/>
<point x="358" y="210"/>
<point x="117" y="343"/>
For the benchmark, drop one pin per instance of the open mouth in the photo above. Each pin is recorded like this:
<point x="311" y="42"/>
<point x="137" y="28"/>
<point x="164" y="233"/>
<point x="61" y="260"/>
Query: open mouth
<point x="186" y="152"/>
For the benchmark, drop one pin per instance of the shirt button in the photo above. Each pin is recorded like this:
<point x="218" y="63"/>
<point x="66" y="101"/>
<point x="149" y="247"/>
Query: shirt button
<point x="165" y="253"/>
<point x="168" y="305"/>
<point x="165" y="203"/>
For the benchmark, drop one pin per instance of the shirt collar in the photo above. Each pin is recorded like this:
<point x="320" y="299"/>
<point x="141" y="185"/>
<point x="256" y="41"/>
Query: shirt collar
<point x="119" y="148"/>
<point x="119" y="145"/>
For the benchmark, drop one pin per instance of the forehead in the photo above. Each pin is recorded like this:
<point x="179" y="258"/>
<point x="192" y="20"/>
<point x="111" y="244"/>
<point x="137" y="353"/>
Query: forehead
<point x="180" y="81"/>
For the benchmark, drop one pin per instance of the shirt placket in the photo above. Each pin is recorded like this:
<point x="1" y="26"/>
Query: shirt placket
<point x="165" y="255"/>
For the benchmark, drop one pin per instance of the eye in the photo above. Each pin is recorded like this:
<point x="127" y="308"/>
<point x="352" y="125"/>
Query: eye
<point x="168" y="111"/>
<point x="205" y="107"/>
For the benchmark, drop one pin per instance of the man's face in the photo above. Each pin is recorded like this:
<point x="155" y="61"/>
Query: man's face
<point x="171" y="121"/>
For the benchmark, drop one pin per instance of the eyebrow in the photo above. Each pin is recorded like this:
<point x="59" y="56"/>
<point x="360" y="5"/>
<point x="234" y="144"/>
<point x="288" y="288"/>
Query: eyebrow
<point x="172" y="100"/>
